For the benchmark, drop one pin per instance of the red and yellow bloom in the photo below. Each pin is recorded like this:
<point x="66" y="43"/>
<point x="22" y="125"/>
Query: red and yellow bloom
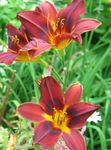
<point x="58" y="115"/>
<point x="58" y="27"/>
<point x="22" y="47"/>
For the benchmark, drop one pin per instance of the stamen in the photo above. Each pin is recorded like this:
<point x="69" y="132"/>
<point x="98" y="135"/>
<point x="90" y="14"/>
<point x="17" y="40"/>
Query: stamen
<point x="54" y="25"/>
<point x="15" y="39"/>
<point x="48" y="20"/>
<point x="26" y="37"/>
<point x="62" y="22"/>
<point x="72" y="30"/>
<point x="59" y="118"/>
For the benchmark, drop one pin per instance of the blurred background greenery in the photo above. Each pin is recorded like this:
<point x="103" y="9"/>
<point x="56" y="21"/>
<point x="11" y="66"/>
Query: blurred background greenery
<point x="89" y="64"/>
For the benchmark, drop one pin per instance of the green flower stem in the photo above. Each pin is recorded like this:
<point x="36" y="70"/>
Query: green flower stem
<point x="46" y="65"/>
<point x="57" y="75"/>
<point x="61" y="55"/>
<point x="33" y="74"/>
<point x="63" y="52"/>
<point x="26" y="146"/>
<point x="5" y="100"/>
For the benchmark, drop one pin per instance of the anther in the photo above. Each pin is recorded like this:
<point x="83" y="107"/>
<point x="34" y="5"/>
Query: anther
<point x="15" y="39"/>
<point x="62" y="22"/>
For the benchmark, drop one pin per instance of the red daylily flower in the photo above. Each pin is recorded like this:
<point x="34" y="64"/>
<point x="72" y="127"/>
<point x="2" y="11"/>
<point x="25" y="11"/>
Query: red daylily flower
<point x="58" y="115"/>
<point x="58" y="27"/>
<point x="21" y="47"/>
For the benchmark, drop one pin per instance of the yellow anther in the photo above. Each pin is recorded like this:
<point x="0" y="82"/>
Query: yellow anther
<point x="59" y="117"/>
<point x="15" y="39"/>
<point x="54" y="25"/>
<point x="26" y="37"/>
<point x="62" y="22"/>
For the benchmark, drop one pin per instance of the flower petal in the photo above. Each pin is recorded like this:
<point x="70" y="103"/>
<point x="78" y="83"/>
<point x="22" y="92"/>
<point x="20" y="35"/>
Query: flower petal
<point x="74" y="140"/>
<point x="79" y="113"/>
<point x="61" y="41"/>
<point x="72" y="13"/>
<point x="7" y="57"/>
<point x="47" y="8"/>
<point x="77" y="37"/>
<point x="36" y="47"/>
<point x="32" y="45"/>
<point x="31" y="111"/>
<point x="16" y="38"/>
<point x="51" y="94"/>
<point x="45" y="135"/>
<point x="86" y="24"/>
<point x="23" y="56"/>
<point x="73" y="94"/>
<point x="42" y="47"/>
<point x="35" y="23"/>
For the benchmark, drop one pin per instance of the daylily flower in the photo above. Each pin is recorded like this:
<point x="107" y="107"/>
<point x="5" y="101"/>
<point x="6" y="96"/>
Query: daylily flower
<point x="21" y="47"/>
<point x="58" y="115"/>
<point x="58" y="27"/>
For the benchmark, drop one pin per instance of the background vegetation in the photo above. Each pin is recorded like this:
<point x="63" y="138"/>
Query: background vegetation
<point x="89" y="64"/>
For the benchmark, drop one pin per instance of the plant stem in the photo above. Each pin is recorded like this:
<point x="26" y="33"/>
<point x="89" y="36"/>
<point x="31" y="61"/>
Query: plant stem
<point x="7" y="93"/>
<point x="46" y="65"/>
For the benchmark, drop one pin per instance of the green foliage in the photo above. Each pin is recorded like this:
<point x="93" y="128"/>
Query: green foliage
<point x="3" y="138"/>
<point x="89" y="64"/>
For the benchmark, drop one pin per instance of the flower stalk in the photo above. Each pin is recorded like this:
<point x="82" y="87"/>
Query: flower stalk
<point x="5" y="100"/>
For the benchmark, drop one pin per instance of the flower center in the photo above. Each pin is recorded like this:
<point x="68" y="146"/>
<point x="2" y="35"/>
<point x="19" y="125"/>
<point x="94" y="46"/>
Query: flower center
<point x="59" y="24"/>
<point x="15" y="39"/>
<point x="56" y="31"/>
<point x="59" y="120"/>
<point x="25" y="56"/>
<point x="59" y="117"/>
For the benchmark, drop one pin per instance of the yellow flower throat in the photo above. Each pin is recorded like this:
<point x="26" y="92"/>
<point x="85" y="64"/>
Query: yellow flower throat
<point x="59" y="119"/>
<point x="58" y="28"/>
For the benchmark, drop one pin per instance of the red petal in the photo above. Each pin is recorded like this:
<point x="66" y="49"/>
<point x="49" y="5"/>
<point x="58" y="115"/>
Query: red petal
<point x="62" y="40"/>
<point x="72" y="12"/>
<point x="51" y="94"/>
<point x="86" y="24"/>
<point x="36" y="47"/>
<point x="31" y="111"/>
<point x="32" y="45"/>
<point x="47" y="8"/>
<point x="73" y="94"/>
<point x="77" y="38"/>
<point x="74" y="140"/>
<point x="35" y="23"/>
<point x="79" y="113"/>
<point x="13" y="31"/>
<point x="42" y="47"/>
<point x="7" y="57"/>
<point x="45" y="135"/>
